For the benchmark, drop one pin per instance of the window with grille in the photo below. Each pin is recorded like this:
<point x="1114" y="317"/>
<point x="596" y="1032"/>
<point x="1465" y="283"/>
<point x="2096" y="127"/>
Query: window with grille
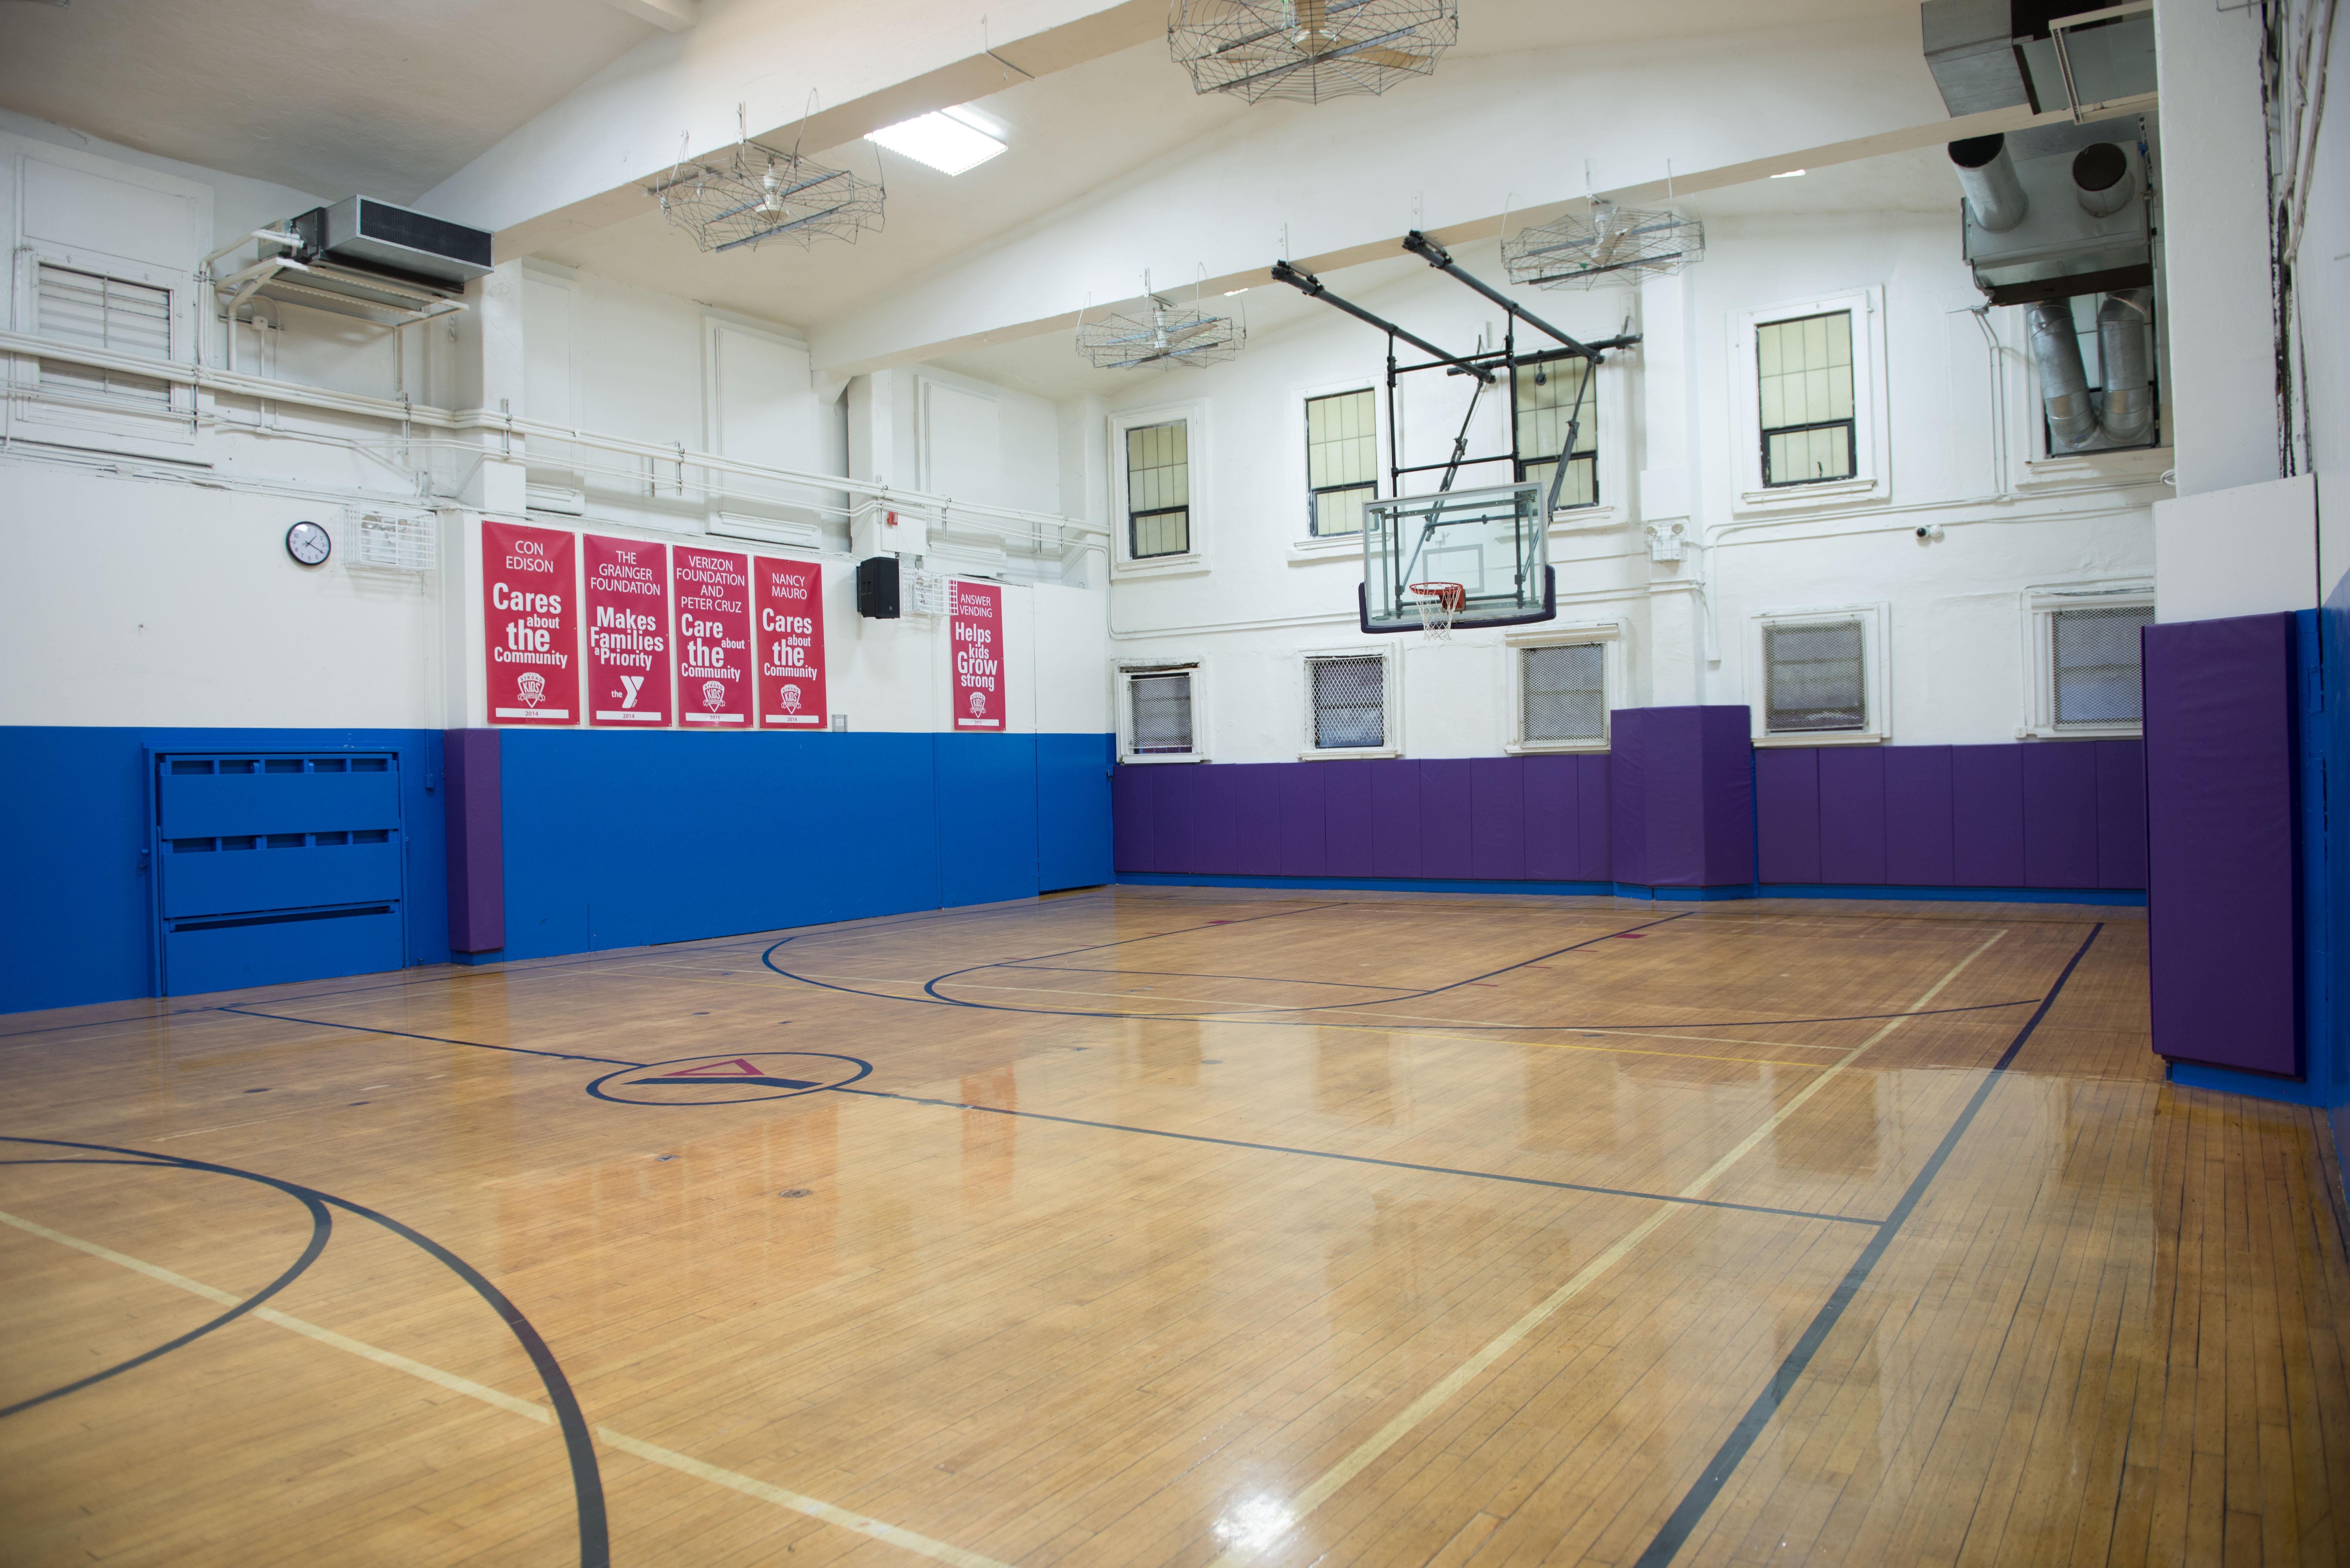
<point x="1162" y="711"/>
<point x="2093" y="655"/>
<point x="1562" y="692"/>
<point x="1546" y="398"/>
<point x="1350" y="702"/>
<point x="1815" y="677"/>
<point x="1804" y="371"/>
<point x="1158" y="491"/>
<point x="1342" y="460"/>
<point x="100" y="312"/>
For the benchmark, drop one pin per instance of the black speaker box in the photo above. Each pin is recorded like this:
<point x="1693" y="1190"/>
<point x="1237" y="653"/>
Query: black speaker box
<point x="876" y="587"/>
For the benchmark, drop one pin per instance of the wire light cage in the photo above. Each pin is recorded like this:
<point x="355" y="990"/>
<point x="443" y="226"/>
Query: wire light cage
<point x="1158" y="335"/>
<point x="1607" y="245"/>
<point x="753" y="193"/>
<point x="1308" y="49"/>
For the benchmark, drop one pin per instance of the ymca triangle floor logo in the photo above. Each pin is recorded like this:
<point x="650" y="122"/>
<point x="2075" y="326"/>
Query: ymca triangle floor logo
<point x="729" y="1080"/>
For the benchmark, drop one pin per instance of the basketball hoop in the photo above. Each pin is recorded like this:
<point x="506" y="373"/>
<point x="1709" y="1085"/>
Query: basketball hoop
<point x="1438" y="602"/>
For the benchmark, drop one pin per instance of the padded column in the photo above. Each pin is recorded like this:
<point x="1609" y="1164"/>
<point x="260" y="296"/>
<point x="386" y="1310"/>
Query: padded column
<point x="477" y="875"/>
<point x="2222" y="894"/>
<point x="1681" y="797"/>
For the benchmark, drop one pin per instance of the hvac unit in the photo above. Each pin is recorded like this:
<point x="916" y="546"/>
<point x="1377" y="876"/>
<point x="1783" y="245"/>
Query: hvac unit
<point x="364" y="258"/>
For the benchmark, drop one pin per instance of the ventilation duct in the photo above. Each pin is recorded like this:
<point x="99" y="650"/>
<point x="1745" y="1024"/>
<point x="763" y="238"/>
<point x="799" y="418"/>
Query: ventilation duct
<point x="2100" y="179"/>
<point x="2122" y="336"/>
<point x="1987" y="174"/>
<point x="2063" y="382"/>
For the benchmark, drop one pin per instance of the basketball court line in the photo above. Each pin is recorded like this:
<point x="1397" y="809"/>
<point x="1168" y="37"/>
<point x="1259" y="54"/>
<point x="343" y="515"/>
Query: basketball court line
<point x="685" y="1464"/>
<point x="1435" y="1397"/>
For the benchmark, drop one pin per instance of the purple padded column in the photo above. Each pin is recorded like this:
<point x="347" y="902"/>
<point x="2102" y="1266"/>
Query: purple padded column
<point x="476" y="841"/>
<point x="1627" y="793"/>
<point x="2221" y="900"/>
<point x="1681" y="791"/>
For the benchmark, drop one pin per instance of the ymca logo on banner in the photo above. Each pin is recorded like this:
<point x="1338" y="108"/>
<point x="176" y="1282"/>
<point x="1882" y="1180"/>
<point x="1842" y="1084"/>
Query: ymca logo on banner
<point x="713" y="636"/>
<point x="790" y="596"/>
<point x="530" y="627"/>
<point x="978" y="643"/>
<point x="628" y="632"/>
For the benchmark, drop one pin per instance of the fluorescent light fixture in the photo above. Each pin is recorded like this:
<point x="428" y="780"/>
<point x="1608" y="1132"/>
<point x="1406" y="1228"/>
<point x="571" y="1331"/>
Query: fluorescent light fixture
<point x="948" y="140"/>
<point x="1792" y="175"/>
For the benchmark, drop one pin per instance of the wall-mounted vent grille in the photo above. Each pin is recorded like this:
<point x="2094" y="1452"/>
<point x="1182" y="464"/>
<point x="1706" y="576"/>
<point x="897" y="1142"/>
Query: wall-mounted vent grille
<point x="100" y="312"/>
<point x="392" y="542"/>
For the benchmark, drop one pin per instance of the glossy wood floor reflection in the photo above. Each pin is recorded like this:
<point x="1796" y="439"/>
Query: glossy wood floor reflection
<point x="1177" y="1226"/>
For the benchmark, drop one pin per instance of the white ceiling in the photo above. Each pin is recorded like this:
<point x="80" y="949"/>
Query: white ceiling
<point x="333" y="97"/>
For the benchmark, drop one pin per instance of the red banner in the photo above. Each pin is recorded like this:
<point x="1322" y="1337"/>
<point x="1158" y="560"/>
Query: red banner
<point x="713" y="636"/>
<point x="530" y="625"/>
<point x="627" y="601"/>
<point x="978" y="623"/>
<point x="790" y="597"/>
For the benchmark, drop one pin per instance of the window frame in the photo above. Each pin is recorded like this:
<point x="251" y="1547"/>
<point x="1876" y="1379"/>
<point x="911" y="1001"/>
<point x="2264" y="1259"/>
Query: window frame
<point x="2038" y="605"/>
<point x="1124" y="563"/>
<point x="1871" y="481"/>
<point x="1305" y="401"/>
<point x="1875" y="674"/>
<point x="174" y="429"/>
<point x="1391" y="694"/>
<point x="1609" y="635"/>
<point x="1123" y="673"/>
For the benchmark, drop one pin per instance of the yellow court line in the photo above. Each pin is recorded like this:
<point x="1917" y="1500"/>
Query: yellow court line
<point x="1367" y="1451"/>
<point x="750" y="1486"/>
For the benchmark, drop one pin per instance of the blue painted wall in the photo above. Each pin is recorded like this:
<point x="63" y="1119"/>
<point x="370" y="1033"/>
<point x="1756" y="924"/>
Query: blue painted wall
<point x="76" y="923"/>
<point x="611" y="840"/>
<point x="616" y="841"/>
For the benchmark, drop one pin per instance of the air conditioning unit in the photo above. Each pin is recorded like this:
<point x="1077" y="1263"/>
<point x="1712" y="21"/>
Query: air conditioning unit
<point x="370" y="259"/>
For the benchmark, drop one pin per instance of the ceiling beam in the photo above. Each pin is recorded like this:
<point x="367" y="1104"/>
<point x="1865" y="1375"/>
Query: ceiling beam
<point x="669" y="15"/>
<point x="975" y="75"/>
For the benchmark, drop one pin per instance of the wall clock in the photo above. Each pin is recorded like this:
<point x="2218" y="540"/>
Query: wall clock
<point x="308" y="543"/>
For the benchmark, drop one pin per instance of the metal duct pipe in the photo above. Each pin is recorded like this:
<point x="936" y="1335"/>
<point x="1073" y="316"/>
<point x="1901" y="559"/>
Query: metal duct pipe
<point x="2063" y="384"/>
<point x="2121" y="323"/>
<point x="1987" y="174"/>
<point x="2101" y="179"/>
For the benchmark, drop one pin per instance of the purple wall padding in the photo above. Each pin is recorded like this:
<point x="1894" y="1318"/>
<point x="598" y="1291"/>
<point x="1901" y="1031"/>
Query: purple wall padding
<point x="2223" y="965"/>
<point x="2041" y="814"/>
<point x="1627" y="793"/>
<point x="476" y="841"/>
<point x="1501" y="819"/>
<point x="1680" y="785"/>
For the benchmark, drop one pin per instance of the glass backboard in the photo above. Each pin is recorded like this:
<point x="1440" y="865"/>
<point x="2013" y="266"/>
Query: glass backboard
<point x="1490" y="541"/>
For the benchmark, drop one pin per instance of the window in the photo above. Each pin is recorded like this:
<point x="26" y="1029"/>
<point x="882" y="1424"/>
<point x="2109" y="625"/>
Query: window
<point x="1562" y="692"/>
<point x="1160" y="711"/>
<point x="1814" y="673"/>
<point x="1342" y="460"/>
<point x="100" y="312"/>
<point x="2081" y="657"/>
<point x="1157" y="490"/>
<point x="1804" y="379"/>
<point x="1349" y="701"/>
<point x="1548" y="396"/>
<point x="2094" y="656"/>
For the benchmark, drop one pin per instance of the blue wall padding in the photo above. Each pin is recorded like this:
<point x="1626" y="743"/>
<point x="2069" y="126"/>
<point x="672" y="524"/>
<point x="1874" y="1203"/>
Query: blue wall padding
<point x="2222" y="916"/>
<point x="2328" y="891"/>
<point x="78" y="925"/>
<point x="624" y="840"/>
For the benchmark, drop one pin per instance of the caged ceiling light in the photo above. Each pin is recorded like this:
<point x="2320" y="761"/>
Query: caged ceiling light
<point x="1308" y="49"/>
<point x="1158" y="335"/>
<point x="753" y="192"/>
<point x="1607" y="244"/>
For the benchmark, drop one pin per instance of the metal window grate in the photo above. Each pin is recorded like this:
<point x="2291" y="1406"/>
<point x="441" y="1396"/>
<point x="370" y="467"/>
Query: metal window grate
<point x="1163" y="714"/>
<point x="1159" y="490"/>
<point x="1350" y="709"/>
<point x="1815" y="677"/>
<point x="1804" y="371"/>
<point x="102" y="312"/>
<point x="1562" y="692"/>
<point x="2094" y="654"/>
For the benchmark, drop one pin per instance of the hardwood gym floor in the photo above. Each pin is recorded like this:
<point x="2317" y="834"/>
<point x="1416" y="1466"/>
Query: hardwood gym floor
<point x="1177" y="1226"/>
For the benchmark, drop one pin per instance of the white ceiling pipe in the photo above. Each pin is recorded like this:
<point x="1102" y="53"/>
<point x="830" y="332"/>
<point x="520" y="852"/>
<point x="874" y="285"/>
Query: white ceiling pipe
<point x="1987" y="174"/>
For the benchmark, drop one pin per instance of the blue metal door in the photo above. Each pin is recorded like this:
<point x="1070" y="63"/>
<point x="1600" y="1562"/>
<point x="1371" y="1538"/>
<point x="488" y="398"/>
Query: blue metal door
<point x="276" y="866"/>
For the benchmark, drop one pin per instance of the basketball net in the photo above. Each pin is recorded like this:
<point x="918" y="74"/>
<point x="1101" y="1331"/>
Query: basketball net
<point x="1438" y="602"/>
